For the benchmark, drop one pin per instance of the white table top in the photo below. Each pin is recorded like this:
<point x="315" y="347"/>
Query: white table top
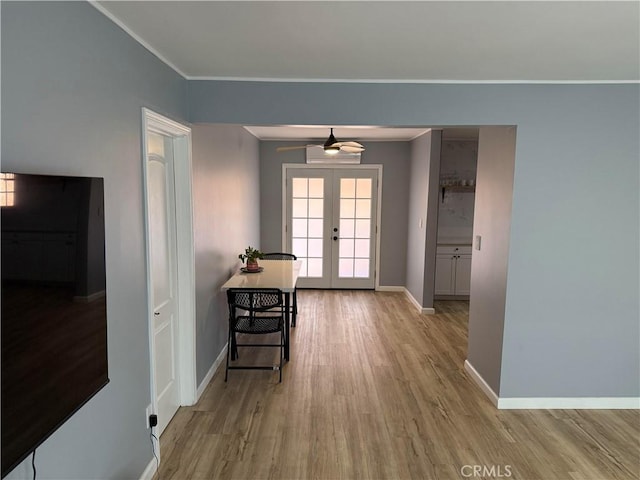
<point x="282" y="274"/>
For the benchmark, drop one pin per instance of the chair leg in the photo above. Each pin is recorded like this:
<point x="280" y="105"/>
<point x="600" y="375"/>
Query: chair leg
<point x="229" y="347"/>
<point x="281" y="352"/>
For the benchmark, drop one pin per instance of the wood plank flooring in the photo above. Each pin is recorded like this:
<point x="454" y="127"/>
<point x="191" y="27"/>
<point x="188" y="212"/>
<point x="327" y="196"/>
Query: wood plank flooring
<point x="375" y="390"/>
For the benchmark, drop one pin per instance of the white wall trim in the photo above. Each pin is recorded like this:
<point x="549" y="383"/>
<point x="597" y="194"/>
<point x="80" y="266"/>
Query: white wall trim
<point x="214" y="367"/>
<point x="150" y="471"/>
<point x="552" y="403"/>
<point x="409" y="81"/>
<point x="484" y="386"/>
<point x="571" y="403"/>
<point x="390" y="288"/>
<point x="421" y="309"/>
<point x="134" y="35"/>
<point x="413" y="300"/>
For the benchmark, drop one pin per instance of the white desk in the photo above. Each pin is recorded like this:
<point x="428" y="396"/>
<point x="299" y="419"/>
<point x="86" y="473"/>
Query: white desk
<point x="281" y="274"/>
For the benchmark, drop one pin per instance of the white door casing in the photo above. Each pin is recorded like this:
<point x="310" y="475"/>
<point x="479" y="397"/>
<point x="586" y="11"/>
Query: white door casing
<point x="170" y="264"/>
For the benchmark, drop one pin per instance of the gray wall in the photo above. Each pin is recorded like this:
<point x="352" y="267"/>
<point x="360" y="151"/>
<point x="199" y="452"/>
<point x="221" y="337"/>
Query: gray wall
<point x="418" y="188"/>
<point x="226" y="220"/>
<point x="73" y="85"/>
<point x="572" y="309"/>
<point x="431" y="231"/>
<point x="496" y="150"/>
<point x="394" y="158"/>
<point x="422" y="226"/>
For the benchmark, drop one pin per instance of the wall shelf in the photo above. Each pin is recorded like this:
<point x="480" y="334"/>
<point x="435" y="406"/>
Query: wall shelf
<point x="457" y="188"/>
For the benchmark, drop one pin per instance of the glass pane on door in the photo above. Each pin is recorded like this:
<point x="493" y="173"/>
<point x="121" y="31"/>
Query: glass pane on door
<point x="307" y="224"/>
<point x="355" y="228"/>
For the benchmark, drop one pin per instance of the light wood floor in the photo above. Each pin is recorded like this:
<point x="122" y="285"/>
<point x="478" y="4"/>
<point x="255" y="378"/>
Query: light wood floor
<point x="376" y="391"/>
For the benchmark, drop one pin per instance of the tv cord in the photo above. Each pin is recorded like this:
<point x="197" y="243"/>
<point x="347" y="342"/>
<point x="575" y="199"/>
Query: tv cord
<point x="153" y="449"/>
<point x="33" y="464"/>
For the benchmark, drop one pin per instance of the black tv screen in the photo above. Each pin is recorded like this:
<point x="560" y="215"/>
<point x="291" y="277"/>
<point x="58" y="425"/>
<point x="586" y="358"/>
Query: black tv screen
<point x="54" y="318"/>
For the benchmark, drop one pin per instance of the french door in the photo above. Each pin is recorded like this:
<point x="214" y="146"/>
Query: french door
<point x="331" y="225"/>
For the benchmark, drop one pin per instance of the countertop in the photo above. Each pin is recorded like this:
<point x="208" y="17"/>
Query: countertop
<point x="454" y="241"/>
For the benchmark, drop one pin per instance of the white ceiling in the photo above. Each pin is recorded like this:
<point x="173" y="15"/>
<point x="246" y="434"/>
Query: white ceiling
<point x="321" y="132"/>
<point x="345" y="133"/>
<point x="394" y="41"/>
<point x="390" y="40"/>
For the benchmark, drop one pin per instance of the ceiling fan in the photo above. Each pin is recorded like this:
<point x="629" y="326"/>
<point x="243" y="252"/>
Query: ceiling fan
<point x="331" y="146"/>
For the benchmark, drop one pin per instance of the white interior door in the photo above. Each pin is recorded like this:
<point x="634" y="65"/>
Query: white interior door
<point x="163" y="266"/>
<point x="331" y="217"/>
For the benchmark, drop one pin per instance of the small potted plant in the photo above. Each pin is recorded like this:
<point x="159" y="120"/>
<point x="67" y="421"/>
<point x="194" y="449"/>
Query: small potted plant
<point x="251" y="255"/>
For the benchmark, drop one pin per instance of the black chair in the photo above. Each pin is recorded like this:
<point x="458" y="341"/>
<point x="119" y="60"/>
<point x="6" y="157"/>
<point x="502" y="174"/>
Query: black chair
<point x="255" y="311"/>
<point x="286" y="256"/>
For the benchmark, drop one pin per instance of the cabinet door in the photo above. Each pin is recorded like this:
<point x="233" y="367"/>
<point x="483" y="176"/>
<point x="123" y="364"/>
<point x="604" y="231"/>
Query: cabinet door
<point x="444" y="275"/>
<point x="463" y="275"/>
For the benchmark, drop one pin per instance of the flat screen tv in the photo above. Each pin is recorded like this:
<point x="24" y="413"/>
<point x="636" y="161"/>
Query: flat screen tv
<point x="54" y="316"/>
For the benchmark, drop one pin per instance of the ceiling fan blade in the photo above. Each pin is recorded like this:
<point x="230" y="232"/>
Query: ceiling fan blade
<point x="297" y="147"/>
<point x="350" y="149"/>
<point x="351" y="144"/>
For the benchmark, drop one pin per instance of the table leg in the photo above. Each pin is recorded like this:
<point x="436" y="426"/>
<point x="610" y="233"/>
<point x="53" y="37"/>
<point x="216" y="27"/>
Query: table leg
<point x="287" y="322"/>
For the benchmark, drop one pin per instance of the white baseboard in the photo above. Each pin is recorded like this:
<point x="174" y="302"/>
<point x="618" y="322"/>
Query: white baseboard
<point x="570" y="403"/>
<point x="552" y="403"/>
<point x="150" y="471"/>
<point x="484" y="386"/>
<point x="211" y="372"/>
<point x="390" y="288"/>
<point x="421" y="309"/>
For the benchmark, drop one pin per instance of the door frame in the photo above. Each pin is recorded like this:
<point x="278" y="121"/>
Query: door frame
<point x="315" y="166"/>
<point x="185" y="288"/>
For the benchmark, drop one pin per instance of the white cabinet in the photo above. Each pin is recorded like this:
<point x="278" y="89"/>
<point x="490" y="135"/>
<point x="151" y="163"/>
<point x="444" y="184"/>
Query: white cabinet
<point x="453" y="270"/>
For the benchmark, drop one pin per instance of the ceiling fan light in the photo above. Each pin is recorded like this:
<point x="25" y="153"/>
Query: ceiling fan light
<point x="331" y="150"/>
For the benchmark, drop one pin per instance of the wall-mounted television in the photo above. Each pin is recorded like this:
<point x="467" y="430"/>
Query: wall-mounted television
<point x="54" y="315"/>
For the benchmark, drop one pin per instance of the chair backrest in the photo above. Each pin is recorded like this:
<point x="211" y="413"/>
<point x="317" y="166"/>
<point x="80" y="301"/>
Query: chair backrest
<point x="279" y="256"/>
<point x="254" y="299"/>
